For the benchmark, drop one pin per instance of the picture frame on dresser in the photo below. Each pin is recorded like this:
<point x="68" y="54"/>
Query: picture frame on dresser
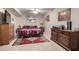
<point x="64" y="15"/>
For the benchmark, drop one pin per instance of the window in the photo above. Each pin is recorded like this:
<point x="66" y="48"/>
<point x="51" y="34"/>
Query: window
<point x="31" y="19"/>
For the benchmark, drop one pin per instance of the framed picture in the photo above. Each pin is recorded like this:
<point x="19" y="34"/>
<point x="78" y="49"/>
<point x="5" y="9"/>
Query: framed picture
<point x="47" y="18"/>
<point x="64" y="15"/>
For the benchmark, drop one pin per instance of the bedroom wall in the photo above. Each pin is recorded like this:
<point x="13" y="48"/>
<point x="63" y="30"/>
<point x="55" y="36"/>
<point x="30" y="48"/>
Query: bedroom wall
<point x="54" y="20"/>
<point x="53" y="17"/>
<point x="23" y="21"/>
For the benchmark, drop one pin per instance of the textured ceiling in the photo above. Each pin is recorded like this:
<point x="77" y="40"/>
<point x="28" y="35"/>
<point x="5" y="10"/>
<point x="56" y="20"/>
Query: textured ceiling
<point x="29" y="11"/>
<point x="13" y="11"/>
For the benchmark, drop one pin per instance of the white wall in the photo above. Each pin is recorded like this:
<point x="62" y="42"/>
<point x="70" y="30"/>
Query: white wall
<point x="75" y="17"/>
<point x="53" y="15"/>
<point x="2" y="10"/>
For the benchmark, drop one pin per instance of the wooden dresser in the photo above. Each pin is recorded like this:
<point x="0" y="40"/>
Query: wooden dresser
<point x="66" y="38"/>
<point x="6" y="33"/>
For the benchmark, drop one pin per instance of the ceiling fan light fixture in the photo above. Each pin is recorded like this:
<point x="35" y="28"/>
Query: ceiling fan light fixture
<point x="36" y="10"/>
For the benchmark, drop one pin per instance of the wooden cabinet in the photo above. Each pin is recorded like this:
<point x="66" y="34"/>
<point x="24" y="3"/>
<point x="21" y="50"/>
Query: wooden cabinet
<point x="6" y="33"/>
<point x="67" y="39"/>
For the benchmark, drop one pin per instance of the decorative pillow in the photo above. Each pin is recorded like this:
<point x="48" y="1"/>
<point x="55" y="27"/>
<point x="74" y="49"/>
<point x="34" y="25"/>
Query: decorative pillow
<point x="33" y="26"/>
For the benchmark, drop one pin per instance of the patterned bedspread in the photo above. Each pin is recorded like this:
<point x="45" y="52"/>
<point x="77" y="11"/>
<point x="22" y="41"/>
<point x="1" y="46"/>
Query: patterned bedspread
<point x="26" y="32"/>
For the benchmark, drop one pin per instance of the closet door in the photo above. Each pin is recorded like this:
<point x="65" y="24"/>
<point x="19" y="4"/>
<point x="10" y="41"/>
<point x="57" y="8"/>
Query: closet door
<point x="0" y="36"/>
<point x="4" y="36"/>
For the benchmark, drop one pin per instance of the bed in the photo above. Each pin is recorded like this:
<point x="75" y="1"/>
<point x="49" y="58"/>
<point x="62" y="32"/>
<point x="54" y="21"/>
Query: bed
<point x="29" y="31"/>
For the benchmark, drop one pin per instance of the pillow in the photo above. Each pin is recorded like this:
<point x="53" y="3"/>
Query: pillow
<point x="26" y="26"/>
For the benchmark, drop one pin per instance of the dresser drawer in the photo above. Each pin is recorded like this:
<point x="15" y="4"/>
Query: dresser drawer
<point x="63" y="39"/>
